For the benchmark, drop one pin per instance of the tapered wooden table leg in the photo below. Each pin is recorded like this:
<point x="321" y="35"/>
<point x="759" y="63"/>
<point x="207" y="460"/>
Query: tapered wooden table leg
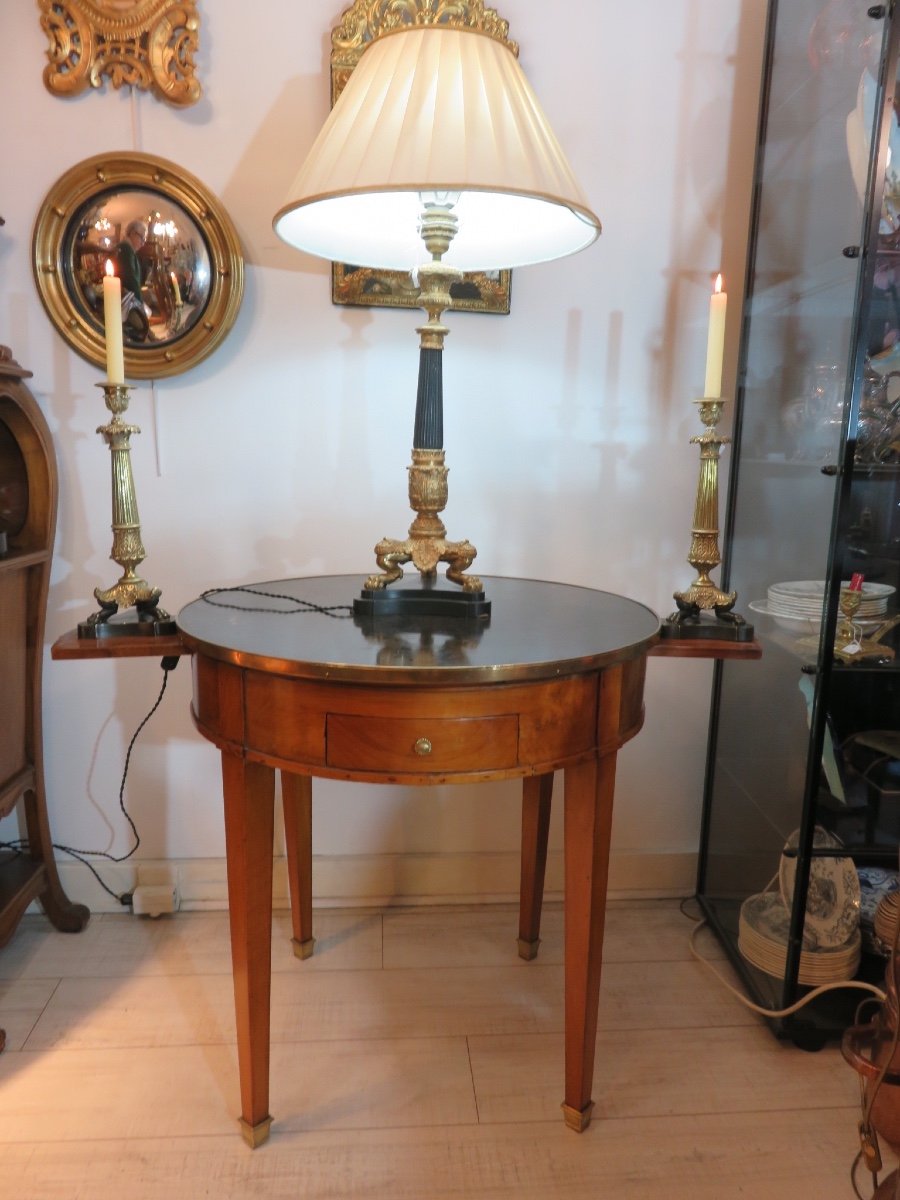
<point x="249" y="791"/>
<point x="588" y="821"/>
<point x="537" y="792"/>
<point x="296" y="794"/>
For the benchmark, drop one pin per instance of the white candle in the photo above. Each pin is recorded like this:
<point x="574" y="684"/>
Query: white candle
<point x="112" y="321"/>
<point x="175" y="288"/>
<point x="715" y="343"/>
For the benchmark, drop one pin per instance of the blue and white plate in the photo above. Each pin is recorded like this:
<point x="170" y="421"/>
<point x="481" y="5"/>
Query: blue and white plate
<point x="833" y="891"/>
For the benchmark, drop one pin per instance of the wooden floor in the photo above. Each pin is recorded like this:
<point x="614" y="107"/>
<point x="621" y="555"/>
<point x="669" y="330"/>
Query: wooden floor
<point x="415" y="1057"/>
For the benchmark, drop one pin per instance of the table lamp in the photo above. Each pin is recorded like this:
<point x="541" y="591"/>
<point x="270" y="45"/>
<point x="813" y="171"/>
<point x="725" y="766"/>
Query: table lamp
<point x="437" y="138"/>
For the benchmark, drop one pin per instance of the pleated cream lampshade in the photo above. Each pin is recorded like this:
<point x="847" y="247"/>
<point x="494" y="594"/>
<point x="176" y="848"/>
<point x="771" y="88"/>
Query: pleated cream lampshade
<point x="436" y="109"/>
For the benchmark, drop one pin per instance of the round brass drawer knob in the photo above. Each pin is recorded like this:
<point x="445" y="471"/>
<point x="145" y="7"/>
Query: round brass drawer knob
<point x="422" y="746"/>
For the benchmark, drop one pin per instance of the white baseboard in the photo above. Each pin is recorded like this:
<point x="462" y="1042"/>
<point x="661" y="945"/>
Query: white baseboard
<point x="377" y="881"/>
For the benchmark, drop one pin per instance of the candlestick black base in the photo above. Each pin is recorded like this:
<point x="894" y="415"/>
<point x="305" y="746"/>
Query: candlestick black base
<point x="706" y="627"/>
<point x="144" y="620"/>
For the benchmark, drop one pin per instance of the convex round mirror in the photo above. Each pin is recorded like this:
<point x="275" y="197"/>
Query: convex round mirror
<point x="167" y="238"/>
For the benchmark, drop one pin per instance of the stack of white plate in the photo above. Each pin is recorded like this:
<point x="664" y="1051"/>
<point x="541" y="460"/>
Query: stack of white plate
<point x="805" y="598"/>
<point x="831" y="939"/>
<point x="763" y="937"/>
<point x="800" y="602"/>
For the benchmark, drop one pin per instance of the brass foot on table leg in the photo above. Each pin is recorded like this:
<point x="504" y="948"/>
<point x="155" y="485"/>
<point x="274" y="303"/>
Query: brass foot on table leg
<point x="578" y="1119"/>
<point x="255" y="1135"/>
<point x="303" y="949"/>
<point x="528" y="950"/>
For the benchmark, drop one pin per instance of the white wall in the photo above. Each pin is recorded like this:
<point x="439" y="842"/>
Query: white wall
<point x="285" y="453"/>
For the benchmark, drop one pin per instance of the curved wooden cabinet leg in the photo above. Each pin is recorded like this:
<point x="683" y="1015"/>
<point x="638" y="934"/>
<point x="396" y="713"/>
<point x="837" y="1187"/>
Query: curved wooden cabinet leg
<point x="296" y="794"/>
<point x="249" y="791"/>
<point x="24" y="583"/>
<point x="537" y="793"/>
<point x="64" y="914"/>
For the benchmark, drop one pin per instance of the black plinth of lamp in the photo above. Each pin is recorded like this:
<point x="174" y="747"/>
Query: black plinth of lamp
<point x="144" y="620"/>
<point x="416" y="596"/>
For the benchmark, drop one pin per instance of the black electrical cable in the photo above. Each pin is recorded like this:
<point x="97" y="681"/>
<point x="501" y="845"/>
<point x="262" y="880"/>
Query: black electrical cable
<point x="339" y="612"/>
<point x="20" y="845"/>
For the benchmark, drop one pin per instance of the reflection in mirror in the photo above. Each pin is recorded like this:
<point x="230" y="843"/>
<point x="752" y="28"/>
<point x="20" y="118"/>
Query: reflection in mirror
<point x="158" y="252"/>
<point x="168" y="239"/>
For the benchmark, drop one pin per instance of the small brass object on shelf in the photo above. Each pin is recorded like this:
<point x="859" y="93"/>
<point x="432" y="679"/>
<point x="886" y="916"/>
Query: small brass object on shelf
<point x="848" y="645"/>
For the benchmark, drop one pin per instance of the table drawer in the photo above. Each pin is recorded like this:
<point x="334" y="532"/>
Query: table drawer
<point x="426" y="744"/>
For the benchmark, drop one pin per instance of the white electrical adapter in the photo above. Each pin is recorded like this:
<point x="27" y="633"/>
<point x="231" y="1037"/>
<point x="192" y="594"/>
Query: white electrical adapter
<point x="152" y="900"/>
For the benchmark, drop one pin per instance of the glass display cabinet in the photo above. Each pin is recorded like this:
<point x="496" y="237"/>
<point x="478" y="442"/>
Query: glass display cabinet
<point x="801" y="819"/>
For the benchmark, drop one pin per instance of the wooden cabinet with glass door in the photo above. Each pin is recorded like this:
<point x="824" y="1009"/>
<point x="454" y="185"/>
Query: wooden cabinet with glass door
<point x="802" y="807"/>
<point x="28" y="491"/>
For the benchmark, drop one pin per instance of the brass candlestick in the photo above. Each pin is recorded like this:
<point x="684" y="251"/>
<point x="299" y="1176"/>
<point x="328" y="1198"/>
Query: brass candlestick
<point x="127" y="549"/>
<point x="703" y="595"/>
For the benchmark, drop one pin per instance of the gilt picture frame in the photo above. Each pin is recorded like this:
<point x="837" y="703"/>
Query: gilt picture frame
<point x="361" y="23"/>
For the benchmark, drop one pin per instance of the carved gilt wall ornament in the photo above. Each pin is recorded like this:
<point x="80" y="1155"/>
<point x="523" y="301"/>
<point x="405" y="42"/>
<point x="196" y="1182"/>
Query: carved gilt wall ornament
<point x="147" y="44"/>
<point x="368" y="19"/>
<point x="363" y="22"/>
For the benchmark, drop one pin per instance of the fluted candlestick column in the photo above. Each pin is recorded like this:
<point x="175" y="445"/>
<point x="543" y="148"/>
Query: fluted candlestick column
<point x="704" y="552"/>
<point x="703" y="595"/>
<point x="130" y="591"/>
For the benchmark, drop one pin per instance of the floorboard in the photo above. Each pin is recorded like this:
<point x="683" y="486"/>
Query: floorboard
<point x="415" y="1057"/>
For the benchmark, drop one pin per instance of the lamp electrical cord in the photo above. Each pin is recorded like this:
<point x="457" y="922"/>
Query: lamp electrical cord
<point x="20" y="845"/>
<point x="338" y="612"/>
<point x="868" y="1094"/>
<point x="210" y="596"/>
<point x="858" y="984"/>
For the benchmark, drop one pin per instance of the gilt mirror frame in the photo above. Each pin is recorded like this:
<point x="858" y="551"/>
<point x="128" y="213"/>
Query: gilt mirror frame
<point x="192" y="314"/>
<point x="362" y="23"/>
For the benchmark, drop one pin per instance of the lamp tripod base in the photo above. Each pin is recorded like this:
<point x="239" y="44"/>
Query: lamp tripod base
<point x="421" y="596"/>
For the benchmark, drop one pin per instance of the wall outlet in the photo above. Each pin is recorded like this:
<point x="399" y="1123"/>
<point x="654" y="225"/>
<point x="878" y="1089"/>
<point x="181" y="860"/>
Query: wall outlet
<point x="152" y="900"/>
